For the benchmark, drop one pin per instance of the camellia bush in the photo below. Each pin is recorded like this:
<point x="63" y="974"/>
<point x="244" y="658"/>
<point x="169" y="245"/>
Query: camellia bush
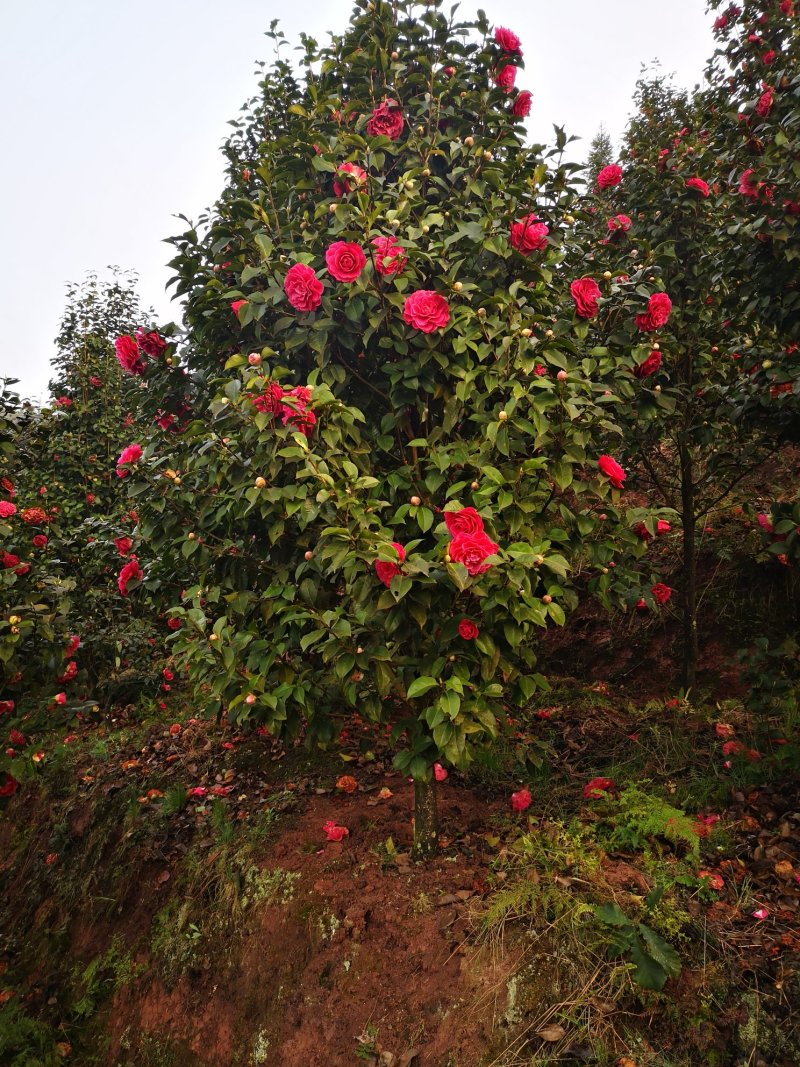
<point x="391" y="463"/>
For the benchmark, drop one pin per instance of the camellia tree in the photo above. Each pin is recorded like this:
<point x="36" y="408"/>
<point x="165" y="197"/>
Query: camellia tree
<point x="384" y="477"/>
<point x="709" y="396"/>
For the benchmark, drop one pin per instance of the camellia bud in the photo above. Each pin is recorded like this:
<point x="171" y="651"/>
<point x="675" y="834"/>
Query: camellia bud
<point x="569" y="219"/>
<point x="447" y="557"/>
<point x="458" y="286"/>
<point x="487" y="155"/>
<point x="607" y="275"/>
<point x="426" y="229"/>
<point x="309" y="555"/>
<point x="176" y="481"/>
<point x="767" y="364"/>
<point x="250" y="698"/>
<point x="547" y="599"/>
<point x="191" y="536"/>
<point x="332" y="208"/>
<point x="14" y="619"/>
<point x="260" y="482"/>
<point x="359" y="650"/>
<point x="562" y="376"/>
<point x="549" y="333"/>
<point x="469" y="141"/>
<point x="415" y="501"/>
<point x="395" y="56"/>
<point x="656" y="388"/>
<point x="526" y="332"/>
<point x="656" y="346"/>
<point x="503" y="416"/>
<point x="475" y="485"/>
<point x="481" y="313"/>
<point x="254" y="359"/>
<point x="214" y="637"/>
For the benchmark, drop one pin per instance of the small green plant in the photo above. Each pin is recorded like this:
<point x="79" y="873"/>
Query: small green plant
<point x="653" y="959"/>
<point x="640" y="818"/>
<point x="174" y="800"/>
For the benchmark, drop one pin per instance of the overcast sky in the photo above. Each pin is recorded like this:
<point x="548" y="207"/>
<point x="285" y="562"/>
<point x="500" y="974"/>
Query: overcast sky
<point x="113" y="113"/>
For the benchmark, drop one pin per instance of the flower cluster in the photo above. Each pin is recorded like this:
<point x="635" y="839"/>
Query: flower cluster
<point x="470" y="545"/>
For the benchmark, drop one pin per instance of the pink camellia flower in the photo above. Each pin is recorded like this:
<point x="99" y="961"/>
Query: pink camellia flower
<point x="733" y="748"/>
<point x="609" y="176"/>
<point x="124" y="545"/>
<point x="386" y="570"/>
<point x="236" y="306"/>
<point x="596" y="788"/>
<point x="448" y="71"/>
<point x="659" y="307"/>
<point x="472" y="549"/>
<point x="765" y="102"/>
<point x="649" y="366"/>
<point x="426" y="310"/>
<point x="151" y="343"/>
<point x="60" y="699"/>
<point x="764" y="522"/>
<point x="64" y="402"/>
<point x="760" y="913"/>
<point x="463" y="521"/>
<point x="39" y="541"/>
<point x="720" y="22"/>
<point x="303" y="288"/>
<point x="8" y="785"/>
<point x="747" y="187"/>
<point x="128" y="355"/>
<point x="334" y="832"/>
<point x="506" y="77"/>
<point x="386" y="120"/>
<point x="508" y="41"/>
<point x="619" y="223"/>
<point x="390" y="258"/>
<point x="521" y="107"/>
<point x="698" y="185"/>
<point x="130" y="454"/>
<point x="612" y="470"/>
<point x="713" y="881"/>
<point x="7" y="509"/>
<point x="130" y="572"/>
<point x="439" y="773"/>
<point x="198" y="790"/>
<point x="468" y="630"/>
<point x="349" y="176"/>
<point x="529" y="235"/>
<point x="345" y="261"/>
<point x="585" y="292"/>
<point x="661" y="593"/>
<point x="521" y="800"/>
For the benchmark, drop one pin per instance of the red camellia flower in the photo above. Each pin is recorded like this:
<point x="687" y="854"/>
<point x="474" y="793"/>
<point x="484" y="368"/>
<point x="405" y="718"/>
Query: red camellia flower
<point x="596" y="788"/>
<point x="60" y="699"/>
<point x="173" y="624"/>
<point x="585" y="292"/>
<point x="39" y="541"/>
<point x="768" y="58"/>
<point x="650" y="365"/>
<point x="508" y="41"/>
<point x="390" y="258"/>
<point x="521" y="107"/>
<point x="765" y="102"/>
<point x="464" y="521"/>
<point x="529" y="235"/>
<point x="7" y="509"/>
<point x="95" y="381"/>
<point x="426" y="310"/>
<point x="506" y="77"/>
<point x="612" y="471"/>
<point x="713" y="881"/>
<point x="619" y="223"/>
<point x="128" y="355"/>
<point x="609" y="176"/>
<point x="439" y="773"/>
<point x="659" y="307"/>
<point x="270" y="402"/>
<point x="468" y="630"/>
<point x="347" y="783"/>
<point x="787" y="7"/>
<point x="699" y="185"/>
<point x="661" y="593"/>
<point x="8" y="560"/>
<point x="641" y="531"/>
<point x="73" y="645"/>
<point x="34" y="516"/>
<point x="18" y="739"/>
<point x="130" y="454"/>
<point x="236" y="305"/>
<point x="386" y="570"/>
<point x="350" y="176"/>
<point x="6" y="707"/>
<point x="334" y="832"/>
<point x="386" y="120"/>
<point x="8" y="785"/>
<point x="296" y="411"/>
<point x="90" y="498"/>
<point x="22" y="569"/>
<point x="130" y="572"/>
<point x="303" y="288"/>
<point x="151" y="343"/>
<point x="345" y="261"/>
<point x="124" y="545"/>
<point x="64" y="402"/>
<point x="747" y="187"/>
<point x="472" y="549"/>
<point x="521" y="800"/>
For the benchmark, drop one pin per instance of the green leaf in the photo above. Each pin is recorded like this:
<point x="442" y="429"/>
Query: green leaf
<point x="420" y="686"/>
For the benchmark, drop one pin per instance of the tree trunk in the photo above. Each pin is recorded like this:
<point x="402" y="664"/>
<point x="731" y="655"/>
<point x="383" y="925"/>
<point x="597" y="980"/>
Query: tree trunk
<point x="690" y="646"/>
<point x="426" y="820"/>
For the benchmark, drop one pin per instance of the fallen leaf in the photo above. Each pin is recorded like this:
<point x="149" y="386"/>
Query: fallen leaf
<point x="554" y="1032"/>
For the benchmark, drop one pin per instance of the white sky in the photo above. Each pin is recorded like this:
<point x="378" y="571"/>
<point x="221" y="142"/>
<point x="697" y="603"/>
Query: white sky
<point x="113" y="112"/>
